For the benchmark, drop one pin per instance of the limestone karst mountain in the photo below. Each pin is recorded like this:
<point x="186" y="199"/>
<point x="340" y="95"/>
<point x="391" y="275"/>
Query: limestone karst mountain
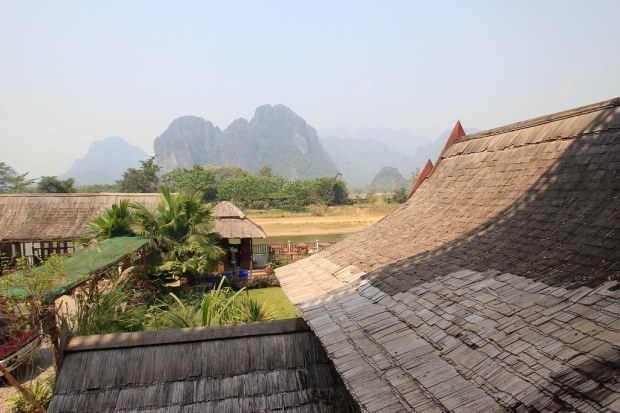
<point x="275" y="137"/>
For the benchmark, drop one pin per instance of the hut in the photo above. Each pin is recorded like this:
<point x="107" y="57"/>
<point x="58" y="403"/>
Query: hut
<point x="494" y="288"/>
<point x="258" y="367"/>
<point x="237" y="231"/>
<point x="37" y="225"/>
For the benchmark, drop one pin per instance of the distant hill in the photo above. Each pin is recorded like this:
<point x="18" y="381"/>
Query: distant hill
<point x="400" y="140"/>
<point x="360" y="157"/>
<point x="387" y="180"/>
<point x="275" y="137"/>
<point x="105" y="162"/>
<point x="360" y="160"/>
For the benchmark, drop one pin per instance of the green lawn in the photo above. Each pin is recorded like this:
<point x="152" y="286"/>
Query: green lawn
<point x="275" y="296"/>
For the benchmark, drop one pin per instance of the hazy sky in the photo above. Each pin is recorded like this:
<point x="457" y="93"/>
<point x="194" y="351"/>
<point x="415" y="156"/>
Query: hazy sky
<point x="75" y="72"/>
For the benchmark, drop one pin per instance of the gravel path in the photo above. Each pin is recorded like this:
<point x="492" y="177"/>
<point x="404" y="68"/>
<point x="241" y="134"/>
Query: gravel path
<point x="41" y="366"/>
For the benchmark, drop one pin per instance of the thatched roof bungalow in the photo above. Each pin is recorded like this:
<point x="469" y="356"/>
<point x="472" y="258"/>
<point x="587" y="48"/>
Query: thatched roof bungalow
<point x="233" y="224"/>
<point x="40" y="224"/>
<point x="258" y="367"/>
<point x="494" y="288"/>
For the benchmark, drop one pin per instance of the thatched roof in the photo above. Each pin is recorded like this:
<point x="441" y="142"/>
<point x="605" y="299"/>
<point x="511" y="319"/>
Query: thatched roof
<point x="56" y="217"/>
<point x="494" y="288"/>
<point x="232" y="222"/>
<point x="258" y="367"/>
<point x="62" y="217"/>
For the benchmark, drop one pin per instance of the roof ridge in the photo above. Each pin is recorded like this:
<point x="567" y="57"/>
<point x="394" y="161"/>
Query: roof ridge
<point x="79" y="194"/>
<point x="183" y="335"/>
<point x="541" y="120"/>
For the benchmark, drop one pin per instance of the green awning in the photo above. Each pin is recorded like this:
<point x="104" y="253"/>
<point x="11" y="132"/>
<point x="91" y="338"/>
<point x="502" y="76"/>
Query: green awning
<point x="84" y="263"/>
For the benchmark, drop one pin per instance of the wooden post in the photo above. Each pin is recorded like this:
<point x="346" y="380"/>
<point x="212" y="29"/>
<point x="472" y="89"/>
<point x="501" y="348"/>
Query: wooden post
<point x="49" y="317"/>
<point x="9" y="377"/>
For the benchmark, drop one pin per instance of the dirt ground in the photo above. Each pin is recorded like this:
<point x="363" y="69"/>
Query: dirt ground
<point x="40" y="367"/>
<point x="336" y="221"/>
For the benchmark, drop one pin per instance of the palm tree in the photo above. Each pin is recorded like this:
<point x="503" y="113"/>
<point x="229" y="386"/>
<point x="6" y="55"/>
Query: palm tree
<point x="113" y="222"/>
<point x="180" y="229"/>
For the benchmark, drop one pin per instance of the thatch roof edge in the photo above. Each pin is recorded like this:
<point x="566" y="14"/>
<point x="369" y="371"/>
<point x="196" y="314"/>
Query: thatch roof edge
<point x="184" y="335"/>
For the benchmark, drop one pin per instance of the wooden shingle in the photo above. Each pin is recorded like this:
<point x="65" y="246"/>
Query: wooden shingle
<point x="494" y="287"/>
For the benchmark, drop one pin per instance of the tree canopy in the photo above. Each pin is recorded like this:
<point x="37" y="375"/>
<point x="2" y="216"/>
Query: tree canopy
<point x="11" y="181"/>
<point x="263" y="190"/>
<point x="144" y="179"/>
<point x="51" y="184"/>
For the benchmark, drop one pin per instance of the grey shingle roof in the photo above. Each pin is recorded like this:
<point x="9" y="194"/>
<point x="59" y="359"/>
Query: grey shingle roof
<point x="259" y="367"/>
<point x="494" y="287"/>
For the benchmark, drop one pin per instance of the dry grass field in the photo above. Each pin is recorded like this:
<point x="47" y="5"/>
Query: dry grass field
<point x="331" y="220"/>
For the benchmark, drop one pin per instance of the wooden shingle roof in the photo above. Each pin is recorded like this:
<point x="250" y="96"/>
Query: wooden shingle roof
<point x="495" y="287"/>
<point x="258" y="367"/>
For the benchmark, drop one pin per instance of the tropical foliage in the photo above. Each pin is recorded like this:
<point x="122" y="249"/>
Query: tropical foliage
<point x="113" y="222"/>
<point x="221" y="305"/>
<point x="116" y="307"/>
<point x="180" y="230"/>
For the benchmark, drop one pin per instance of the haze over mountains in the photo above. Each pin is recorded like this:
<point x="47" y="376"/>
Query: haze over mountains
<point x="275" y="137"/>
<point x="105" y="162"/>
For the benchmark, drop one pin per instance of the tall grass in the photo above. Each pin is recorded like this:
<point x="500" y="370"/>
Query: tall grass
<point x="118" y="308"/>
<point x="222" y="305"/>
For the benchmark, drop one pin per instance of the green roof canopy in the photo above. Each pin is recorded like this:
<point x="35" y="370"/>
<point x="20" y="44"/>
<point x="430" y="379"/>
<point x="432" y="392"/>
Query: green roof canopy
<point x="84" y="263"/>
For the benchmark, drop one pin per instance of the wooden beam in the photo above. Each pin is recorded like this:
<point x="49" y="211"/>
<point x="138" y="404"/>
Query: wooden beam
<point x="184" y="335"/>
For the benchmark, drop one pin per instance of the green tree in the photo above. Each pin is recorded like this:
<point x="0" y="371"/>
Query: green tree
<point x="399" y="196"/>
<point x="252" y="191"/>
<point x="226" y="172"/>
<point x="331" y="190"/>
<point x="51" y="184"/>
<point x="113" y="222"/>
<point x="192" y="180"/>
<point x="179" y="228"/>
<point x="11" y="181"/>
<point x="298" y="194"/>
<point x="144" y="179"/>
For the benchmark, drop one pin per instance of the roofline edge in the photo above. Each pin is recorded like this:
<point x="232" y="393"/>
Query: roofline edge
<point x="184" y="335"/>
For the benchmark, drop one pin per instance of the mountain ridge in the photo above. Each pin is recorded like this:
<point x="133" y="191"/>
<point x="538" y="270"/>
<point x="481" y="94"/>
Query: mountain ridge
<point x="276" y="136"/>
